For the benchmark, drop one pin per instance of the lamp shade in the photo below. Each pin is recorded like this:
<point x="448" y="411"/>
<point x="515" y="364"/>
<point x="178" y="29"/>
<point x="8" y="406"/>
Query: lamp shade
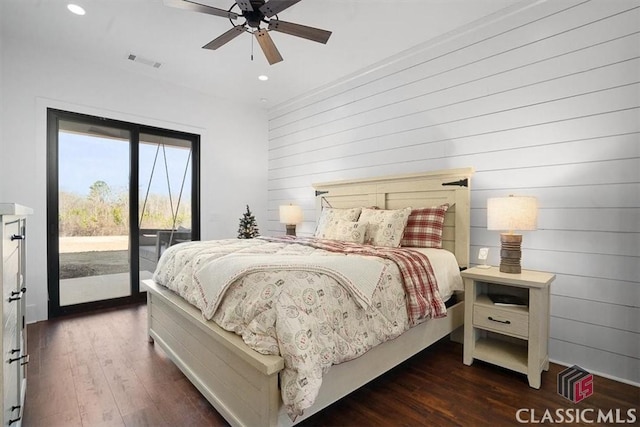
<point x="290" y="214"/>
<point x="512" y="213"/>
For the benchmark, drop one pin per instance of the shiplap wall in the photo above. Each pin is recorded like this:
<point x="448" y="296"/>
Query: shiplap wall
<point x="542" y="99"/>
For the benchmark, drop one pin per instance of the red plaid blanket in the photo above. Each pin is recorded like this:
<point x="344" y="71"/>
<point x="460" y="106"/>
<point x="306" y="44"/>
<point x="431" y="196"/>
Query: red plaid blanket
<point x="423" y="298"/>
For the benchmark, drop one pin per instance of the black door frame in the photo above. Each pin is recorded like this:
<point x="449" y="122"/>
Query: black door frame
<point x="53" y="269"/>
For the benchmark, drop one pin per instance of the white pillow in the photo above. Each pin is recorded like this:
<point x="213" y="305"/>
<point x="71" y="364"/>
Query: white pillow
<point x="330" y="216"/>
<point x="348" y="231"/>
<point x="386" y="227"/>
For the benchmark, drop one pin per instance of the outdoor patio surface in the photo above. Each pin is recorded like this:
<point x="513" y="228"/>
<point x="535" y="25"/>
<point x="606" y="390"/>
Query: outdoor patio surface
<point x="94" y="268"/>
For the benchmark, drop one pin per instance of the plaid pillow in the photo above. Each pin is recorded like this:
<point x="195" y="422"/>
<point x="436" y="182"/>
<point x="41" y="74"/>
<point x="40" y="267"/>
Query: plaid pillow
<point x="424" y="228"/>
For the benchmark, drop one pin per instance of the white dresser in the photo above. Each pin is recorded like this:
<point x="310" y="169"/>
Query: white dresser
<point x="14" y="332"/>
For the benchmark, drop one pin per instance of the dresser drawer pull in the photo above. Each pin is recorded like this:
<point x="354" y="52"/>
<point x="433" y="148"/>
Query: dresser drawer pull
<point x="15" y="420"/>
<point x="15" y="359"/>
<point x="17" y="237"/>
<point x="17" y="295"/>
<point x="13" y="408"/>
<point x="506" y="322"/>
<point x="14" y="351"/>
<point x="13" y="296"/>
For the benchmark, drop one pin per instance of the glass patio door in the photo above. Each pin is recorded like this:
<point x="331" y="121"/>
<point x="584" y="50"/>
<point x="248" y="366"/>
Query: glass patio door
<point x="93" y="212"/>
<point x="165" y="205"/>
<point x="118" y="195"/>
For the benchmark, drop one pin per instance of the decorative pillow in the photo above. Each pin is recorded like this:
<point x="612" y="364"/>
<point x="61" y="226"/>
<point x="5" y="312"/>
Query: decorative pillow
<point x="348" y="231"/>
<point x="424" y="228"/>
<point x="330" y="216"/>
<point x="385" y="225"/>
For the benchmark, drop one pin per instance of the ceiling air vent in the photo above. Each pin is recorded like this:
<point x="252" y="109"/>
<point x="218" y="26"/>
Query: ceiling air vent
<point x="144" y="61"/>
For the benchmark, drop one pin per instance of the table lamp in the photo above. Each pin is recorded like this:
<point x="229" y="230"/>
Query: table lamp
<point x="291" y="215"/>
<point x="511" y="214"/>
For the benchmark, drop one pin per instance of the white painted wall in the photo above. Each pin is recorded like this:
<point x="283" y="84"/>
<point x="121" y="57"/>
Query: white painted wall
<point x="233" y="142"/>
<point x="1" y="110"/>
<point x="543" y="102"/>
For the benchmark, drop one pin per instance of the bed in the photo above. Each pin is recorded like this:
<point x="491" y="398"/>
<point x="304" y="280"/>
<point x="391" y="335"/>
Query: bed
<point x="242" y="384"/>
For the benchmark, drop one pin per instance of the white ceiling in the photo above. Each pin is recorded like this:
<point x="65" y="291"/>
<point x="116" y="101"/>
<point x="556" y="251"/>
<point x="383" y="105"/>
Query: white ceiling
<point x="365" y="32"/>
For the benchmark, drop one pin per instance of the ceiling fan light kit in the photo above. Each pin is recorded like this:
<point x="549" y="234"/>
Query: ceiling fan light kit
<point x="255" y="13"/>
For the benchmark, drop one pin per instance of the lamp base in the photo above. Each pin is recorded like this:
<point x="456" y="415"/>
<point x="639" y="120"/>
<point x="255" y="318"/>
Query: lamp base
<point x="291" y="230"/>
<point x="510" y="253"/>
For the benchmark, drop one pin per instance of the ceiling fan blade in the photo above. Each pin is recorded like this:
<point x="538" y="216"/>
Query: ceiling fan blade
<point x="273" y="7"/>
<point x="268" y="47"/>
<point x="309" y="33"/>
<point x="225" y="38"/>
<point x="202" y="8"/>
<point x="245" y="5"/>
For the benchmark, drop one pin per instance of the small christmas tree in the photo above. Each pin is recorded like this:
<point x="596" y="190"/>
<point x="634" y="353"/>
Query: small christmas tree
<point x="248" y="228"/>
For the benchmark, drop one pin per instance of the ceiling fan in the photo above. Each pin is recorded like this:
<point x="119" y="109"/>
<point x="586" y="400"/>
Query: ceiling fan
<point x="255" y="13"/>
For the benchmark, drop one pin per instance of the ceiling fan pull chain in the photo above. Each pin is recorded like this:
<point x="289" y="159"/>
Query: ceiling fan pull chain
<point x="252" y="48"/>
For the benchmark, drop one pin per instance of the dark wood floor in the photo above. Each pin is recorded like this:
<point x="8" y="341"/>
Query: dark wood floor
<point x="99" y="370"/>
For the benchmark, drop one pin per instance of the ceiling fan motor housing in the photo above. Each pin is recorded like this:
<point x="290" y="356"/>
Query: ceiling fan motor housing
<point x="254" y="17"/>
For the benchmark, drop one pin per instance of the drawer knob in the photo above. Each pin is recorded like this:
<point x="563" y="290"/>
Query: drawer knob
<point x="506" y="322"/>
<point x="17" y="237"/>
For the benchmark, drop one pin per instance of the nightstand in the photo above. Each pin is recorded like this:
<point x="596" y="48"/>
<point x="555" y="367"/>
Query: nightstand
<point x="512" y="336"/>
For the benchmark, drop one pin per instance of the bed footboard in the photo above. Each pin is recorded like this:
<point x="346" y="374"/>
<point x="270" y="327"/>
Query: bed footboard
<point x="240" y="383"/>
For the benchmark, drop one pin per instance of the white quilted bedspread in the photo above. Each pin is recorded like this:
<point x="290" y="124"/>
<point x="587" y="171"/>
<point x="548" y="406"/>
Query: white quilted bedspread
<point x="307" y="317"/>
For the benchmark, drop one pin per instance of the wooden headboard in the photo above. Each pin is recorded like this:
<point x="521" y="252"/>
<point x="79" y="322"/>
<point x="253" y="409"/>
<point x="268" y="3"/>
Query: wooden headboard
<point x="420" y="190"/>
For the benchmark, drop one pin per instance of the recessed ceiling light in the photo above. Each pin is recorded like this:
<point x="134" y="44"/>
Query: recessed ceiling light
<point x="263" y="78"/>
<point x="74" y="8"/>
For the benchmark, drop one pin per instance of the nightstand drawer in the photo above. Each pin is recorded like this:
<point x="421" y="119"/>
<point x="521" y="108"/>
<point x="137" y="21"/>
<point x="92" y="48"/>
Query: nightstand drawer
<point x="502" y="321"/>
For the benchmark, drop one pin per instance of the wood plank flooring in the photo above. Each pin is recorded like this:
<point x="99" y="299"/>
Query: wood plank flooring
<point x="99" y="370"/>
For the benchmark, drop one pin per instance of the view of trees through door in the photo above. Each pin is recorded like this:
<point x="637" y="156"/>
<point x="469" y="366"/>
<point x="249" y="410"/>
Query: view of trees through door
<point x="119" y="194"/>
<point x="93" y="212"/>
